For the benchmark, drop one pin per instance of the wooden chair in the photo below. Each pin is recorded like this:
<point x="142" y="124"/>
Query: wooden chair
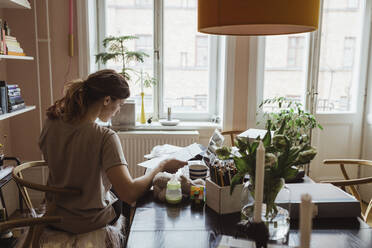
<point x="37" y="224"/>
<point x="232" y="134"/>
<point x="351" y="183"/>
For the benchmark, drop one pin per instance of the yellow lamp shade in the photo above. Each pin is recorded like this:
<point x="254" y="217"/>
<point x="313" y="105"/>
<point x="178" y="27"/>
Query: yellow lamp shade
<point x="257" y="17"/>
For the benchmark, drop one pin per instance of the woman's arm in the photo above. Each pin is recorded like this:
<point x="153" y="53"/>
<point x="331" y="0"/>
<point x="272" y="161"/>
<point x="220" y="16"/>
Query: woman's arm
<point x="129" y="189"/>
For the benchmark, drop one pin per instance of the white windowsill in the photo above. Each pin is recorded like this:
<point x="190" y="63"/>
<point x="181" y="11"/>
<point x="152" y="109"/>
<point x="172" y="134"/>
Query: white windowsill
<point x="183" y="125"/>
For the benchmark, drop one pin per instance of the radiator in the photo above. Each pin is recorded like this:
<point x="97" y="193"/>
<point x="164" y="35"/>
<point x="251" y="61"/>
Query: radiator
<point x="138" y="143"/>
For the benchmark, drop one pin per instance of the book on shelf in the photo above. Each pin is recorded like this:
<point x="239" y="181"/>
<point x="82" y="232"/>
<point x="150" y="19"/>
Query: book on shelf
<point x="2" y="39"/>
<point x="16" y="54"/>
<point x="17" y="107"/>
<point x="3" y="97"/>
<point x="15" y="100"/>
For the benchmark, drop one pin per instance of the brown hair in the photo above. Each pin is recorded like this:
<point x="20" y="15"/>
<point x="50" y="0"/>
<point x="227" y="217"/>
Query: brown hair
<point x="80" y="94"/>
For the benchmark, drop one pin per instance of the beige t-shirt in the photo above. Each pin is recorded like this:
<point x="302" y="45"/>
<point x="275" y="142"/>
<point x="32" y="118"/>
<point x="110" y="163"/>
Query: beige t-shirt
<point x="78" y="157"/>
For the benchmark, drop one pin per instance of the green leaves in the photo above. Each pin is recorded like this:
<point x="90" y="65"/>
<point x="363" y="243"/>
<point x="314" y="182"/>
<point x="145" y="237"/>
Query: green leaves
<point x="289" y="118"/>
<point x="104" y="57"/>
<point x="237" y="179"/>
<point x="117" y="50"/>
<point x="223" y="153"/>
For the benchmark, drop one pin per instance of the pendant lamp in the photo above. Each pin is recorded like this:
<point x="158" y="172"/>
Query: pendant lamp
<point x="257" y="17"/>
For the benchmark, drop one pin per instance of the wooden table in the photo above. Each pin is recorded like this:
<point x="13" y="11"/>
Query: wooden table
<point x="161" y="225"/>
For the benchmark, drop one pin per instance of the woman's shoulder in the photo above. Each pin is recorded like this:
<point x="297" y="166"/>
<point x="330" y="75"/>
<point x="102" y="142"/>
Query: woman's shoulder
<point x="105" y="131"/>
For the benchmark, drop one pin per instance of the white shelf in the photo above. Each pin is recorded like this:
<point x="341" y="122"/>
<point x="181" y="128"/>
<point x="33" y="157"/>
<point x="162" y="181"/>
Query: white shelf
<point x="16" y="57"/>
<point x="15" y="4"/>
<point x="17" y="112"/>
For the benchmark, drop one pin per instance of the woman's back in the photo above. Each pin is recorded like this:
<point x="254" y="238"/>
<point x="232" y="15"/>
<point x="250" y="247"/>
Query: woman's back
<point x="78" y="156"/>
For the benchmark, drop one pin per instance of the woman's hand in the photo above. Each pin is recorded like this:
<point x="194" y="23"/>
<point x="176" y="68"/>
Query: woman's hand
<point x="171" y="165"/>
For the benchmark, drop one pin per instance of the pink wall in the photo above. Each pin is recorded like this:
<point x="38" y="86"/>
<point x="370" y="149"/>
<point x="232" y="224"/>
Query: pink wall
<point x="25" y="128"/>
<point x="4" y="124"/>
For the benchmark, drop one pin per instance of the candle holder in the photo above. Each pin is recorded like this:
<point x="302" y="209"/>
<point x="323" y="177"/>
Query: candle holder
<point x="275" y="217"/>
<point x="143" y="117"/>
<point x="255" y="231"/>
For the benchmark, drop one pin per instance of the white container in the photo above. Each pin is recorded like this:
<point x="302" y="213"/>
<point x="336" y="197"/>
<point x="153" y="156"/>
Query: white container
<point x="220" y="200"/>
<point x="126" y="118"/>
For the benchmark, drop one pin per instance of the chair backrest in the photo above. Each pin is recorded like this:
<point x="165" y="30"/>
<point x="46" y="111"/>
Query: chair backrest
<point x="351" y="183"/>
<point x="36" y="224"/>
<point x="232" y="134"/>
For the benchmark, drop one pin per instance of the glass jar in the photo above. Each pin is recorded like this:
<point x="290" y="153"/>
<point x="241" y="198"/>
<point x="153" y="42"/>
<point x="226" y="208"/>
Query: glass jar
<point x="173" y="193"/>
<point x="277" y="216"/>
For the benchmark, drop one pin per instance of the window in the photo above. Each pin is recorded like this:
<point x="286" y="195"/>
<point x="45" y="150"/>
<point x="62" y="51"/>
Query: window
<point x="353" y="4"/>
<point x="349" y="51"/>
<point x="144" y="44"/>
<point x="340" y="39"/>
<point x="178" y="56"/>
<point x="183" y="61"/>
<point x="285" y="71"/>
<point x="295" y="51"/>
<point x="332" y="77"/>
<point x="201" y="51"/>
<point x="188" y="3"/>
<point x="143" y="3"/>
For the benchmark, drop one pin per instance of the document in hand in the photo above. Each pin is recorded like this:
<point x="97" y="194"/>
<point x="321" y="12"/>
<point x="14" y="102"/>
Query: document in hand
<point x="183" y="154"/>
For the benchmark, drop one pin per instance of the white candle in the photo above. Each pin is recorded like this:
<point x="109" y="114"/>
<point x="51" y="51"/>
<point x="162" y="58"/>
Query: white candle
<point x="306" y="214"/>
<point x="259" y="182"/>
<point x="141" y="81"/>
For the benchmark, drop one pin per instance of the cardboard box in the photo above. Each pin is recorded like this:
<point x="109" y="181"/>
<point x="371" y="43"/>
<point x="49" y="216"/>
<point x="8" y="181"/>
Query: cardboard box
<point x="220" y="200"/>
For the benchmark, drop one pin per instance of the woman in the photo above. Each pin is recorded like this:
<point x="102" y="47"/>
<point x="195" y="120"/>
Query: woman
<point x="85" y="156"/>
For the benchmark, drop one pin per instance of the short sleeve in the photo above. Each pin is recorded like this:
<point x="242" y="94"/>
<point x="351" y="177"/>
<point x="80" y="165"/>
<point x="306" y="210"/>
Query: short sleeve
<point x="112" y="153"/>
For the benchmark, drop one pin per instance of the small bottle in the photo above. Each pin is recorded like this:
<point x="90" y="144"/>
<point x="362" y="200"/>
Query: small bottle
<point x="173" y="193"/>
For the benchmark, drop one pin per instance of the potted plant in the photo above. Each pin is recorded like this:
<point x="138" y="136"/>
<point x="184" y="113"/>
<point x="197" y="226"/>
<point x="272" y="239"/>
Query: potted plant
<point x="298" y="122"/>
<point x="293" y="121"/>
<point x="118" y="51"/>
<point x="284" y="152"/>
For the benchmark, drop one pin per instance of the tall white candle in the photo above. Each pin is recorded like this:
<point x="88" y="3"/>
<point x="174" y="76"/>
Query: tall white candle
<point x="306" y="215"/>
<point x="259" y="182"/>
<point x="141" y="80"/>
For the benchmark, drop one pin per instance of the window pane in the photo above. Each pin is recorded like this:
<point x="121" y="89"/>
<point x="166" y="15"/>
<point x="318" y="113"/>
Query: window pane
<point x="340" y="42"/>
<point x="134" y="17"/>
<point x="186" y="77"/>
<point x="285" y="69"/>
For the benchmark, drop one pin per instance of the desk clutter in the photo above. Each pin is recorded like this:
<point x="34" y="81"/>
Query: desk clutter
<point x="10" y="98"/>
<point x="213" y="176"/>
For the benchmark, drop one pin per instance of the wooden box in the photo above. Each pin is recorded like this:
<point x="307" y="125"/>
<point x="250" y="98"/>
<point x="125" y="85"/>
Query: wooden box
<point x="220" y="200"/>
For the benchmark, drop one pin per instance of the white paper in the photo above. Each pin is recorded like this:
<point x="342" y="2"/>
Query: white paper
<point x="162" y="150"/>
<point x="183" y="154"/>
<point x="5" y="171"/>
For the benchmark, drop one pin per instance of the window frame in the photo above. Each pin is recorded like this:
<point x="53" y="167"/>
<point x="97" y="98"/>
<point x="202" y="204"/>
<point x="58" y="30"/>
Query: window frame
<point x="313" y="65"/>
<point x="158" y="67"/>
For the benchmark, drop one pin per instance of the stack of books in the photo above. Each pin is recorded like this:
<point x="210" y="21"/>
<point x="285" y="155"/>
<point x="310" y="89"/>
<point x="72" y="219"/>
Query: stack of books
<point x="9" y="44"/>
<point x="10" y="98"/>
<point x="15" y="100"/>
<point x="13" y="47"/>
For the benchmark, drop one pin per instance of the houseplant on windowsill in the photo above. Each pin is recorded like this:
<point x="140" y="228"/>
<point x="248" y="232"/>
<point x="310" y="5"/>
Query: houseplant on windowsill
<point x="118" y="51"/>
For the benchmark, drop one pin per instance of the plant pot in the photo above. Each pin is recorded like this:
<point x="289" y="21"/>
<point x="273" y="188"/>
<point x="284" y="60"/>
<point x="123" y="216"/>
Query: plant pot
<point x="277" y="219"/>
